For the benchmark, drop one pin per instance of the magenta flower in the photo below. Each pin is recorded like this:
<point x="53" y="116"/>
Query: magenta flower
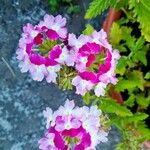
<point x="41" y="46"/>
<point x="74" y="128"/>
<point x="95" y="62"/>
<point x="46" y="48"/>
<point x="84" y="82"/>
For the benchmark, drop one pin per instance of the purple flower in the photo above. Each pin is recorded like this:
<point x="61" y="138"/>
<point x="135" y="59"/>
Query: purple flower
<point x="45" y="48"/>
<point x="41" y="46"/>
<point x="95" y="62"/>
<point x="73" y="127"/>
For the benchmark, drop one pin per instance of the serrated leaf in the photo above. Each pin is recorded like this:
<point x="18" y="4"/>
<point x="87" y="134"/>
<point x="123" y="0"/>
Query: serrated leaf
<point x="143" y="101"/>
<point x="86" y="98"/>
<point x="89" y="30"/>
<point x="115" y="34"/>
<point x="140" y="56"/>
<point x="136" y="118"/>
<point x="125" y="84"/>
<point x="130" y="101"/>
<point x="134" y="79"/>
<point x="130" y="40"/>
<point x="110" y="106"/>
<point x="137" y="76"/>
<point x="97" y="7"/>
<point x="147" y="76"/>
<point x="121" y="66"/>
<point x="139" y="44"/>
<point x="144" y="131"/>
<point x="141" y="10"/>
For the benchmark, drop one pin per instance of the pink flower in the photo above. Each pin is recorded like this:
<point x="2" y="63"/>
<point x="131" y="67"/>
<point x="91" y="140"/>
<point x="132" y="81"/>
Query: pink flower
<point x="82" y="86"/>
<point x="76" y="43"/>
<point x="38" y="72"/>
<point x="79" y="124"/>
<point x="46" y="47"/>
<point x="47" y="143"/>
<point x="100" y="89"/>
<point x="41" y="46"/>
<point x="95" y="62"/>
<point x="52" y="73"/>
<point x="56" y="26"/>
<point x="109" y="76"/>
<point x="101" y="38"/>
<point x="67" y="57"/>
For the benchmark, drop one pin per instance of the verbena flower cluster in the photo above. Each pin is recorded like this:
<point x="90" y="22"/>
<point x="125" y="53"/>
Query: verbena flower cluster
<point x="45" y="48"/>
<point x="73" y="128"/>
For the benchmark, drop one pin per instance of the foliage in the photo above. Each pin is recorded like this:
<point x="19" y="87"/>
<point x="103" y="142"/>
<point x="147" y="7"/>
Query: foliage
<point x="129" y="35"/>
<point x="147" y="76"/>
<point x="89" y="30"/>
<point x="97" y="7"/>
<point x="139" y="11"/>
<point x="71" y="6"/>
<point x="134" y="50"/>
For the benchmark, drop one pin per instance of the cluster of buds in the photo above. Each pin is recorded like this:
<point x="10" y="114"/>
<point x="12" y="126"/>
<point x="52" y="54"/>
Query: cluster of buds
<point x="73" y="128"/>
<point x="45" y="49"/>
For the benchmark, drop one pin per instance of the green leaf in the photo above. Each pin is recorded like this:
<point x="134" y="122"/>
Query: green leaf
<point x="53" y="4"/>
<point x="137" y="76"/>
<point x="147" y="76"/>
<point x="120" y="4"/>
<point x="144" y="132"/>
<point x="73" y="9"/>
<point x="142" y="100"/>
<point x="135" y="118"/>
<point x="139" y="44"/>
<point x="140" y="56"/>
<point x="97" y="7"/>
<point x="130" y="101"/>
<point x="89" y="30"/>
<point x="121" y="146"/>
<point x="130" y="40"/>
<point x="141" y="10"/>
<point x="110" y="106"/>
<point x="121" y="66"/>
<point x="86" y="98"/>
<point x="134" y="79"/>
<point x="115" y="34"/>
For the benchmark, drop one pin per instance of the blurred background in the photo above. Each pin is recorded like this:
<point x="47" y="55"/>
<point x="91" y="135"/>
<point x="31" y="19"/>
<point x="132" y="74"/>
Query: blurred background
<point x="23" y="100"/>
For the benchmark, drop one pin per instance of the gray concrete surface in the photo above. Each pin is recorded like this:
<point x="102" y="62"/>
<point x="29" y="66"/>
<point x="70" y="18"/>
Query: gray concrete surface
<point x="21" y="99"/>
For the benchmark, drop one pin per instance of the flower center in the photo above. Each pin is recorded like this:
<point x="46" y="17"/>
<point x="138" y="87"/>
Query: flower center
<point x="100" y="59"/>
<point x="44" y="48"/>
<point x="72" y="141"/>
<point x="50" y="141"/>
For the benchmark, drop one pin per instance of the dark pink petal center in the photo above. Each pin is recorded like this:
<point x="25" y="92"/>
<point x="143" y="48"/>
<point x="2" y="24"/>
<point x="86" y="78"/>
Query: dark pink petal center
<point x="106" y="66"/>
<point x="52" y="35"/>
<point x="89" y="76"/>
<point x="94" y="48"/>
<point x="91" y="60"/>
<point x="38" y="39"/>
<point x="58" y="140"/>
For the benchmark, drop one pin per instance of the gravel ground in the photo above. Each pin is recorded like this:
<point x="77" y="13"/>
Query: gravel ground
<point x="21" y="99"/>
